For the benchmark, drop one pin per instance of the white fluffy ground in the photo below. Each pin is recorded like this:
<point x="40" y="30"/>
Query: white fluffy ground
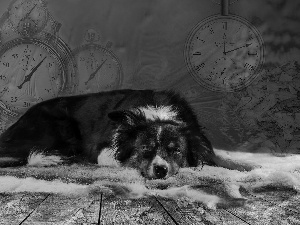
<point x="212" y="186"/>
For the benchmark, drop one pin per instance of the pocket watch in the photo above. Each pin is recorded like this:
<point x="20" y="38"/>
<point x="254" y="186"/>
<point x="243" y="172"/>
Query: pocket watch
<point x="224" y="52"/>
<point x="97" y="67"/>
<point x="28" y="17"/>
<point x="32" y="70"/>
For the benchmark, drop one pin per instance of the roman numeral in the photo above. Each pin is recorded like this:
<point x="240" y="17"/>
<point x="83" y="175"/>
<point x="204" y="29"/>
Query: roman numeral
<point x="199" y="67"/>
<point x="248" y="66"/>
<point x="197" y="53"/>
<point x="225" y="25"/>
<point x="249" y="53"/>
<point x="224" y="36"/>
<point x="250" y="37"/>
<point x="6" y="64"/>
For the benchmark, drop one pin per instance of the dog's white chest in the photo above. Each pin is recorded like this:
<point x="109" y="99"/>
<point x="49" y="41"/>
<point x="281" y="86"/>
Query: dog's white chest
<point x="107" y="158"/>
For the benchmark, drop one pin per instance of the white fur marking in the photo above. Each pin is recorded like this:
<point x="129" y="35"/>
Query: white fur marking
<point x="161" y="112"/>
<point x="40" y="159"/>
<point x="159" y="161"/>
<point x="114" y="141"/>
<point x="159" y="130"/>
<point x="107" y="158"/>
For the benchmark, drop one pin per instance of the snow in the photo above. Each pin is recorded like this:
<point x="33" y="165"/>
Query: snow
<point x="189" y="184"/>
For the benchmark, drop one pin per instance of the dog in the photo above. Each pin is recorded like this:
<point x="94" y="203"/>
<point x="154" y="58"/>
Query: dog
<point x="155" y="132"/>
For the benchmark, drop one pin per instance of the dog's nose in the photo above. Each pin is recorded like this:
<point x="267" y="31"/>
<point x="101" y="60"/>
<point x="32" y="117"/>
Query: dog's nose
<point x="160" y="171"/>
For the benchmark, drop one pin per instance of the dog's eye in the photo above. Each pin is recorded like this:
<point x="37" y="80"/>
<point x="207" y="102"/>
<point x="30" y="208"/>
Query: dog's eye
<point x="176" y="151"/>
<point x="173" y="148"/>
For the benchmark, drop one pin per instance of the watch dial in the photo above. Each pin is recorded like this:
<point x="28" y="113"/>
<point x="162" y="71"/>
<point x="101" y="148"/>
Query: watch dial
<point x="224" y="53"/>
<point x="28" y="74"/>
<point x="98" y="69"/>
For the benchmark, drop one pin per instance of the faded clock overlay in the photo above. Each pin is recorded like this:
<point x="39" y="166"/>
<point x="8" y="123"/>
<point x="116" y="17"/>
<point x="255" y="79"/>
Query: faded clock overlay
<point x="224" y="53"/>
<point x="28" y="15"/>
<point x="98" y="69"/>
<point x="29" y="74"/>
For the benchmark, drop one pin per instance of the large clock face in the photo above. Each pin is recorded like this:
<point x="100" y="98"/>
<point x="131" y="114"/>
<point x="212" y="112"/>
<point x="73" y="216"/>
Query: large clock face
<point x="98" y="69"/>
<point x="28" y="74"/>
<point x="224" y="53"/>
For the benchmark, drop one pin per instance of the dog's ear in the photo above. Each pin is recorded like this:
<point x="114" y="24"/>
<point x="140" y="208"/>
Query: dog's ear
<point x="125" y="117"/>
<point x="199" y="150"/>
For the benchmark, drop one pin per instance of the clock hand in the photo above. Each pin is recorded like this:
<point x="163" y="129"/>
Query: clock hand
<point x="224" y="38"/>
<point x="95" y="72"/>
<point x="246" y="45"/>
<point x="28" y="76"/>
<point x="3" y="90"/>
<point x="223" y="71"/>
<point x="27" y="14"/>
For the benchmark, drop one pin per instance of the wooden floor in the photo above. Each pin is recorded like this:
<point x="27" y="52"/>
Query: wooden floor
<point x="264" y="207"/>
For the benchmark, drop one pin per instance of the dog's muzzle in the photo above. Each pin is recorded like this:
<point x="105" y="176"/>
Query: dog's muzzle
<point x="159" y="168"/>
<point x="160" y="171"/>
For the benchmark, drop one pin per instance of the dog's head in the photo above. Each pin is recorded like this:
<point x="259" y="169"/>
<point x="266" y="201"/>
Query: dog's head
<point x="156" y="143"/>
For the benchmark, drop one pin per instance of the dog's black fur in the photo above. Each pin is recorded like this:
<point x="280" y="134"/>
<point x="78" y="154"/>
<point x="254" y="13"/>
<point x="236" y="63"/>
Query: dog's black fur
<point x="81" y="126"/>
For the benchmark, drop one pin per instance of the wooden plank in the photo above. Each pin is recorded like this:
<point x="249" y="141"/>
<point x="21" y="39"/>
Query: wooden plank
<point x="132" y="212"/>
<point x="60" y="209"/>
<point x="16" y="207"/>
<point x="86" y="216"/>
<point x="182" y="214"/>
<point x="268" y="208"/>
<point x="185" y="212"/>
<point x="286" y="198"/>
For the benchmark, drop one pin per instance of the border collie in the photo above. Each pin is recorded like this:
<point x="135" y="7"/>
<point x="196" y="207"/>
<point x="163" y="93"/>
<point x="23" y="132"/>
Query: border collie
<point x="156" y="132"/>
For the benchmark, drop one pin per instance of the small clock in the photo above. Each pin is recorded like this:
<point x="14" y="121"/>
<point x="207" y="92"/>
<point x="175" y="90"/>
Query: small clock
<point x="97" y="68"/>
<point x="224" y="53"/>
<point x="32" y="70"/>
<point x="28" y="17"/>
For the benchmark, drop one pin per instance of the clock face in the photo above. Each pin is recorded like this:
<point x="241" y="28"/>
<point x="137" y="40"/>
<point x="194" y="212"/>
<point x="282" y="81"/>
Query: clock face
<point x="28" y="74"/>
<point x="98" y="69"/>
<point x="224" y="53"/>
<point x="28" y="16"/>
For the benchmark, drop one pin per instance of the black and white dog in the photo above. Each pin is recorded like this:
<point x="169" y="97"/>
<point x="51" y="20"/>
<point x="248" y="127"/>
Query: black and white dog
<point x="155" y="132"/>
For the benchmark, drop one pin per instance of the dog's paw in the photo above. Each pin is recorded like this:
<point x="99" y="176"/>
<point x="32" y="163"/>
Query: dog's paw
<point x="39" y="158"/>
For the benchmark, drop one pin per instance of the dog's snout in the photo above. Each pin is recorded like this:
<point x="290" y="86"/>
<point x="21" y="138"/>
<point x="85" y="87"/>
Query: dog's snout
<point x="160" y="171"/>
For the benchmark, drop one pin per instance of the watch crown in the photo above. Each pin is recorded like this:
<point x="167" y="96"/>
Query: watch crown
<point x="92" y="36"/>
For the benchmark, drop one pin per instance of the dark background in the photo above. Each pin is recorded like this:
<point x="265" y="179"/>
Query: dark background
<point x="149" y="36"/>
